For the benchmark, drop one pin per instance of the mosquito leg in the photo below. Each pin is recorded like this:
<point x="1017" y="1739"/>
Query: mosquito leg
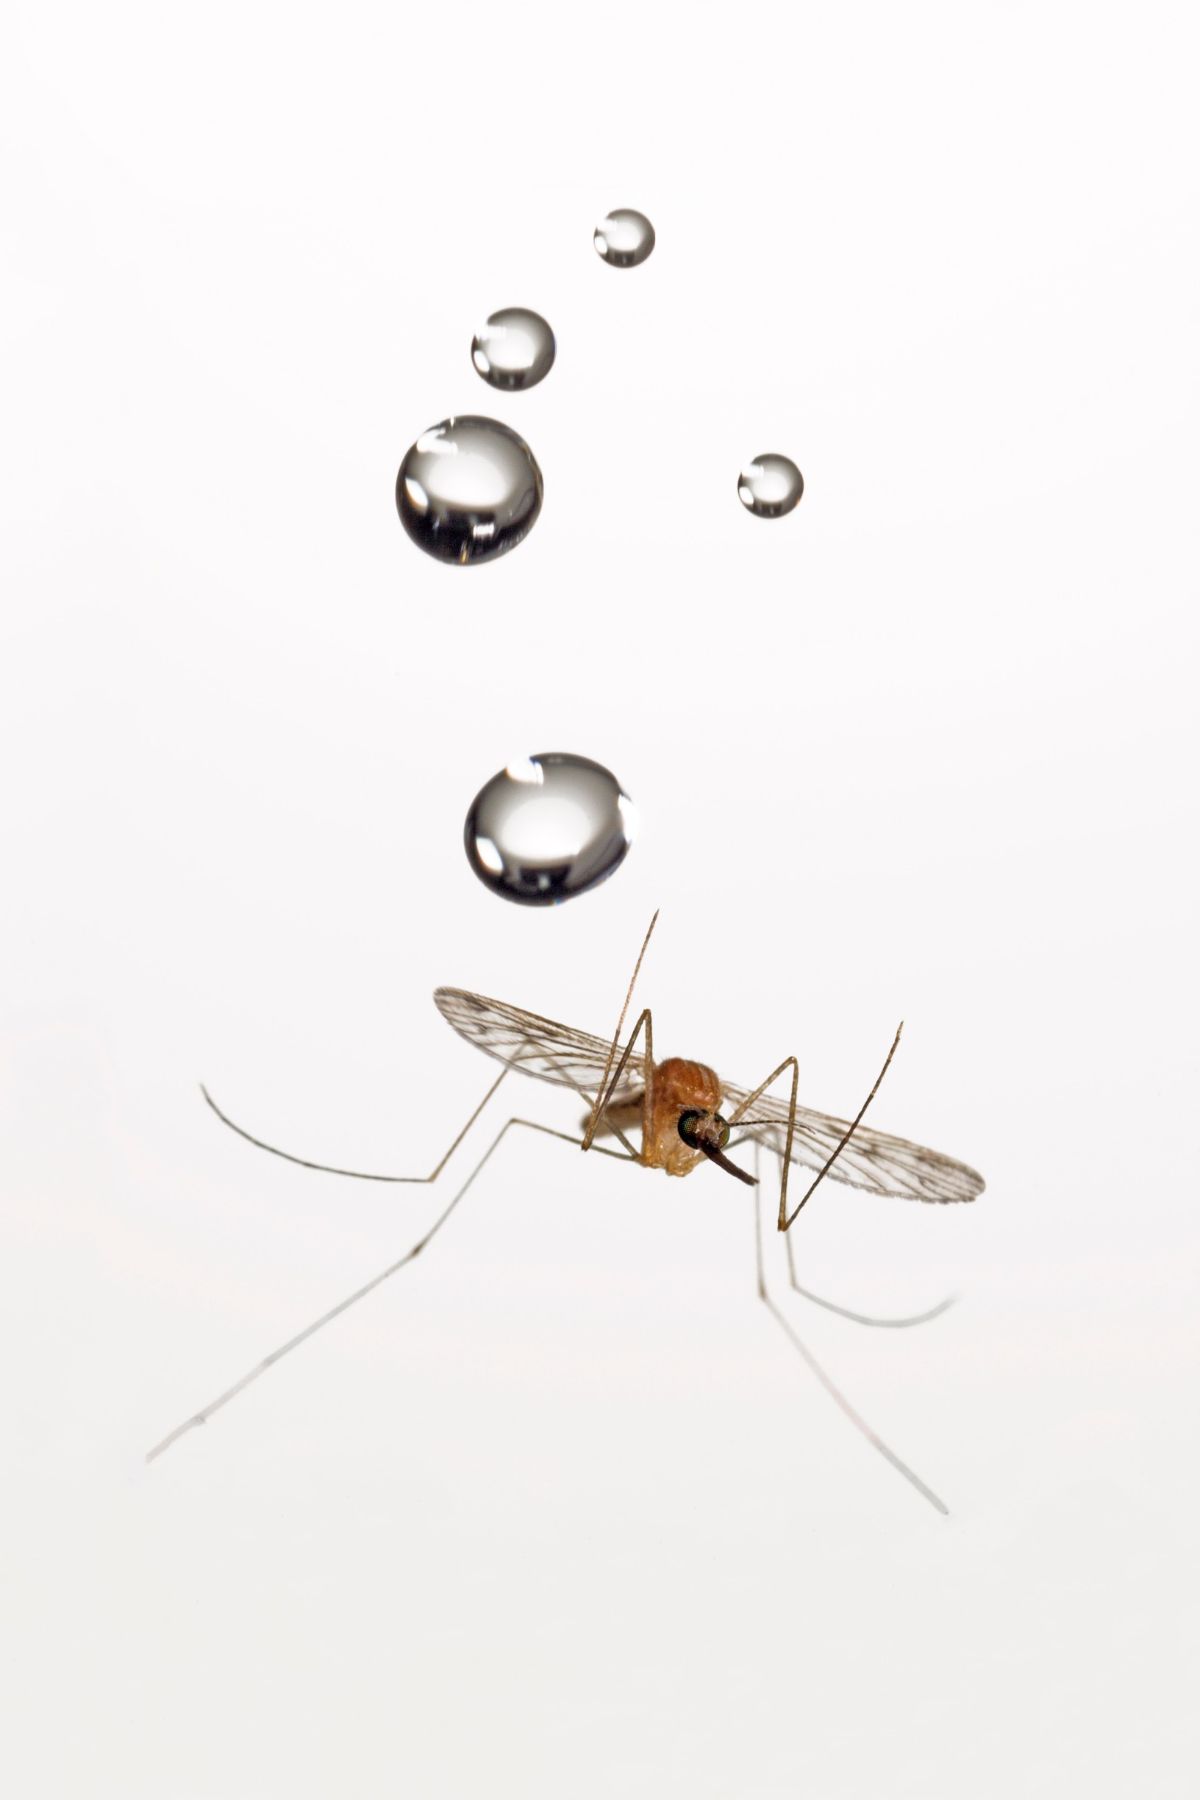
<point x="810" y="1190"/>
<point x="787" y="1219"/>
<point x="845" y="1312"/>
<point x="759" y="1265"/>
<point x="293" y="1343"/>
<point x="354" y="1174"/>
<point x="594" y="1112"/>
<point x="789" y="1062"/>
<point x="831" y="1388"/>
<point x="605" y="1086"/>
<point x="645" y="1022"/>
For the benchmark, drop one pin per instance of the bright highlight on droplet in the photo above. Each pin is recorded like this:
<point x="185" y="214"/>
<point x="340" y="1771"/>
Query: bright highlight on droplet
<point x="468" y="490"/>
<point x="770" y="487"/>
<point x="514" y="350"/>
<point x="526" y="770"/>
<point x="548" y="827"/>
<point x="624" y="239"/>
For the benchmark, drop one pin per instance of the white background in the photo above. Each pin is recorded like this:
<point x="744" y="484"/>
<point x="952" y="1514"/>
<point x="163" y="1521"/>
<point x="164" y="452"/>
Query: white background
<point x="558" y="1512"/>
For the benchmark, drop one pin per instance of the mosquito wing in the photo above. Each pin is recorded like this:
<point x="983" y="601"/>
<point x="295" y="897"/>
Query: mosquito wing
<point x="872" y="1159"/>
<point x="530" y="1044"/>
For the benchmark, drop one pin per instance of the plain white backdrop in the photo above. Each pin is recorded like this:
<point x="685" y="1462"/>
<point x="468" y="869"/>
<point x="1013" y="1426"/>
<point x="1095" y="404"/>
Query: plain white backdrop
<point x="558" y="1512"/>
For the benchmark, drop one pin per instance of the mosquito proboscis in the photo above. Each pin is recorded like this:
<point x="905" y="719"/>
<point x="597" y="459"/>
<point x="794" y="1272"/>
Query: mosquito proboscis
<point x="687" y="1115"/>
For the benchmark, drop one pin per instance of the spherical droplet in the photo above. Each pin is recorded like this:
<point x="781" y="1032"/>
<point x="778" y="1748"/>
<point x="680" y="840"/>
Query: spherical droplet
<point x="624" y="239"/>
<point x="770" y="487"/>
<point x="468" y="490"/>
<point x="548" y="828"/>
<point x="515" y="349"/>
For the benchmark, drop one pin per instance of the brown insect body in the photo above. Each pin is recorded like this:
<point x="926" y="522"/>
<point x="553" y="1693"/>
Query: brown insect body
<point x="677" y="1103"/>
<point x="678" y="1086"/>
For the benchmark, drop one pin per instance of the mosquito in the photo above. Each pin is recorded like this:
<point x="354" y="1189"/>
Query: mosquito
<point x="687" y="1115"/>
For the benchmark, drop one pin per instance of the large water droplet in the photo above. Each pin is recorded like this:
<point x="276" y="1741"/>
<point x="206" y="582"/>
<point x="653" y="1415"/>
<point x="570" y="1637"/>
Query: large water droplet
<point x="548" y="828"/>
<point x="515" y="349"/>
<point x="624" y="239"/>
<point x="770" y="487"/>
<point x="468" y="490"/>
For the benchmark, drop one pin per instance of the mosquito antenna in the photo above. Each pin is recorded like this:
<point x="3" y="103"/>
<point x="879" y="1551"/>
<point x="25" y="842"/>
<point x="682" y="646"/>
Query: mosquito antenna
<point x="847" y="1134"/>
<point x="603" y="1088"/>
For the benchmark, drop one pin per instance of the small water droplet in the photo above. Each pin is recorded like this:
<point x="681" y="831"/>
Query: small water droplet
<point x="468" y="490"/>
<point x="515" y="349"/>
<point x="547" y="828"/>
<point x="624" y="239"/>
<point x="770" y="487"/>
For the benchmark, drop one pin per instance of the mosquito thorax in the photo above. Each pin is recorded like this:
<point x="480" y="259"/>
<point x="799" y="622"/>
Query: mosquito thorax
<point x="680" y="1086"/>
<point x="686" y="1086"/>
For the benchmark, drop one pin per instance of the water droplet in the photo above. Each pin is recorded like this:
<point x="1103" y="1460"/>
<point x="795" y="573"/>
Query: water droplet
<point x="548" y="828"/>
<point x="624" y="239"/>
<point x="770" y="487"/>
<point x="515" y="349"/>
<point x="468" y="490"/>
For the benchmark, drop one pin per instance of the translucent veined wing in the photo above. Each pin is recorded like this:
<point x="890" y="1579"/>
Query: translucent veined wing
<point x="532" y="1045"/>
<point x="872" y="1159"/>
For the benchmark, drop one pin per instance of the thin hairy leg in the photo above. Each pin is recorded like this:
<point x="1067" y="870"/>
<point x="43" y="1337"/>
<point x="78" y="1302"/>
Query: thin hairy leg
<point x="595" y="1112"/>
<point x="608" y="1087"/>
<point x="845" y="1312"/>
<point x="789" y="1062"/>
<point x="355" y="1174"/>
<point x="784" y="1221"/>
<point x="293" y="1343"/>
<point x="830" y="1386"/>
<point x="645" y="1023"/>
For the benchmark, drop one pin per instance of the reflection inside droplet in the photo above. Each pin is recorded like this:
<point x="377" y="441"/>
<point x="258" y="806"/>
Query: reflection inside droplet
<point x="468" y="490"/>
<point x="624" y="239"/>
<point x="548" y="827"/>
<point x="515" y="349"/>
<point x="489" y="856"/>
<point x="770" y="487"/>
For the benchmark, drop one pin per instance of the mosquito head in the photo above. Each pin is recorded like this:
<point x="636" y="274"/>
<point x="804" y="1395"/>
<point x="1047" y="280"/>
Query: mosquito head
<point x="709" y="1133"/>
<point x="705" y="1131"/>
